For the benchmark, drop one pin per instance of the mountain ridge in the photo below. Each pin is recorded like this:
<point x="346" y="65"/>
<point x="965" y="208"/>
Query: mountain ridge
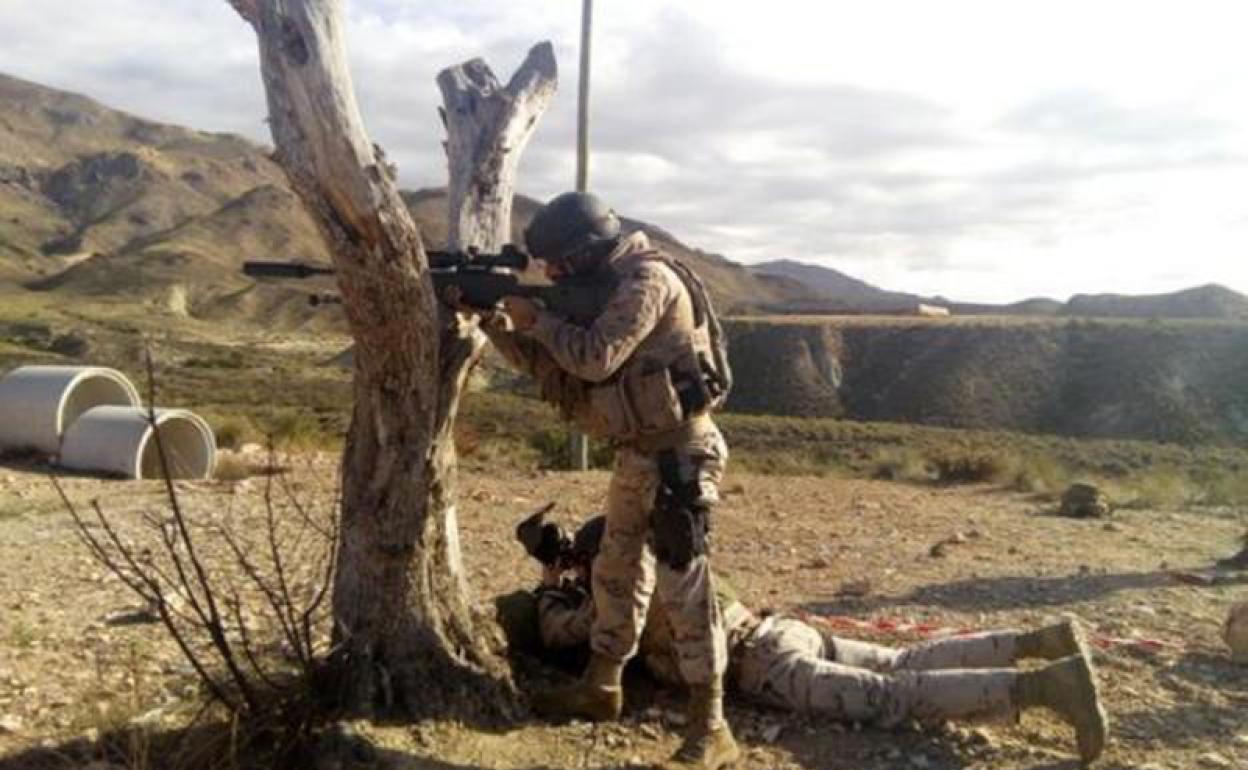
<point x="841" y="293"/>
<point x="98" y="201"/>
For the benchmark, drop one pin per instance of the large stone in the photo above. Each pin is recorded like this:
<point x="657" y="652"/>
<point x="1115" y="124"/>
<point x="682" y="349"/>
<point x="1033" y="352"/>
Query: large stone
<point x="1084" y="501"/>
<point x="1235" y="632"/>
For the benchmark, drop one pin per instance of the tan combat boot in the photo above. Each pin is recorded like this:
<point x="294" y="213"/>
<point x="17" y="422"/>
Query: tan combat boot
<point x="1051" y="642"/>
<point x="1068" y="687"/>
<point x="598" y="696"/>
<point x="708" y="744"/>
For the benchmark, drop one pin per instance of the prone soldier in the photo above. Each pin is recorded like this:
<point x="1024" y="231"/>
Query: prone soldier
<point x="786" y="663"/>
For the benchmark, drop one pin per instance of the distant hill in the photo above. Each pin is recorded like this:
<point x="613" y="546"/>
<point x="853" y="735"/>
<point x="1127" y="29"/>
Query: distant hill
<point x="99" y="202"/>
<point x="1036" y="306"/>
<point x="78" y="179"/>
<point x="96" y="201"/>
<point x="839" y="293"/>
<point x="1209" y="301"/>
<point x="735" y="288"/>
<point x="834" y="289"/>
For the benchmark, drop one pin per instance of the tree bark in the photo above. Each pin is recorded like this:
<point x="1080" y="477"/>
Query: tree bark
<point x="404" y="630"/>
<point x="487" y="129"/>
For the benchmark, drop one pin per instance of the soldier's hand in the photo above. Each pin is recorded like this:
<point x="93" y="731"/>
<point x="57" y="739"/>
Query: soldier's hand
<point x="453" y="296"/>
<point x="491" y="319"/>
<point x="552" y="575"/>
<point x="522" y="311"/>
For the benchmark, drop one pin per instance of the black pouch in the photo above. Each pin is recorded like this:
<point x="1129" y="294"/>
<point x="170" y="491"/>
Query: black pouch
<point x="691" y="391"/>
<point x="680" y="521"/>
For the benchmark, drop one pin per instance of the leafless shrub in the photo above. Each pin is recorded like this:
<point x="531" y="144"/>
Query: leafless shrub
<point x="230" y="596"/>
<point x="240" y="589"/>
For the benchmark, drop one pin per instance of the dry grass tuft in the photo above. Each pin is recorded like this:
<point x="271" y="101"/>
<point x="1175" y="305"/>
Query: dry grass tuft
<point x="901" y="464"/>
<point x="969" y="466"/>
<point x="1039" y="475"/>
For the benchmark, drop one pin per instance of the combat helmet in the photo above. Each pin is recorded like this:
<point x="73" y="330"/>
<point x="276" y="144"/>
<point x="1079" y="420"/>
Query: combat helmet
<point x="565" y="229"/>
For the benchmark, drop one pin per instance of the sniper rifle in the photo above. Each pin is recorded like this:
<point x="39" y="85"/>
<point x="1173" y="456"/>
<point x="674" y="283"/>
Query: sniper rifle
<point x="482" y="280"/>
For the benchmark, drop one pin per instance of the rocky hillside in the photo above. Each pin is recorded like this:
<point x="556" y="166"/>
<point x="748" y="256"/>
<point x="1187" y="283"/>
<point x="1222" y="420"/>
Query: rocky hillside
<point x="1169" y="381"/>
<point x="95" y="201"/>
<point x="78" y="179"/>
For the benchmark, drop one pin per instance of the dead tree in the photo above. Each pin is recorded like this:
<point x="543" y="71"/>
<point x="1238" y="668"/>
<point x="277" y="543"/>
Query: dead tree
<point x="404" y="628"/>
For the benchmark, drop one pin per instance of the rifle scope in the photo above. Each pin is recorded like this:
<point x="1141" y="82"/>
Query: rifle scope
<point x="510" y="257"/>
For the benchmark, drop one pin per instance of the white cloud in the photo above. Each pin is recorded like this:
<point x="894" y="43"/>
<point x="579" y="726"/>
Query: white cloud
<point x="974" y="148"/>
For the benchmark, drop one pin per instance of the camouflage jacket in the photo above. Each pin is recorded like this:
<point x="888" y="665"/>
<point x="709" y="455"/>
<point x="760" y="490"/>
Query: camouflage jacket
<point x="566" y="617"/>
<point x="615" y="377"/>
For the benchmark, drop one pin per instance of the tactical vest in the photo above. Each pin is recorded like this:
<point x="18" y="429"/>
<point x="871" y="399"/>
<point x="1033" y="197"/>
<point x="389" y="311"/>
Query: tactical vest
<point x="679" y="372"/>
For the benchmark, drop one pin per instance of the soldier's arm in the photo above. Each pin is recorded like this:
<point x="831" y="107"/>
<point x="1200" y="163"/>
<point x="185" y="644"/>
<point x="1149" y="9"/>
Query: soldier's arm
<point x="523" y="355"/>
<point x="595" y="353"/>
<point x="554" y="385"/>
<point x="564" y="618"/>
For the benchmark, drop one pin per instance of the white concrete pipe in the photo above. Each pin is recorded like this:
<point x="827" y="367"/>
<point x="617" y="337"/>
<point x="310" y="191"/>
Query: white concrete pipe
<point x="120" y="439"/>
<point x="38" y="403"/>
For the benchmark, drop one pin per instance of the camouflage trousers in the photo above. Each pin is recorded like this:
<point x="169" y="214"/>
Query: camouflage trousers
<point x="626" y="574"/>
<point x="788" y="664"/>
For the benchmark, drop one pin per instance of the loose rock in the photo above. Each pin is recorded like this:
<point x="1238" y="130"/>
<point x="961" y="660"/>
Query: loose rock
<point x="1085" y="501"/>
<point x="860" y="587"/>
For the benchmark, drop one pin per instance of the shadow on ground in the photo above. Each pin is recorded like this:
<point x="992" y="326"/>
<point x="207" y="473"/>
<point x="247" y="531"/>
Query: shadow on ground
<point x="1205" y="669"/>
<point x="1184" y="725"/>
<point x="1008" y="592"/>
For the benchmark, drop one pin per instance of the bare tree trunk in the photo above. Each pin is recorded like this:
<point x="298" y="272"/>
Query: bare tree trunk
<point x="404" y="631"/>
<point x="487" y="129"/>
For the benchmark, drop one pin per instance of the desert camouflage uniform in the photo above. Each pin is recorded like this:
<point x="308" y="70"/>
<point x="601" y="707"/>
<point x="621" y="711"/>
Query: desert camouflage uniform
<point x="789" y="664"/>
<point x="566" y="617"/>
<point x="648" y="321"/>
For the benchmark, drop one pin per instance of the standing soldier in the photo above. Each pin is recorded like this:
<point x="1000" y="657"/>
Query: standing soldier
<point x="645" y="375"/>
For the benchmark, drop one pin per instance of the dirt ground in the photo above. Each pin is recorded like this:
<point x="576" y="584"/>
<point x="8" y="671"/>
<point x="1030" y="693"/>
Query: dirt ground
<point x="861" y="555"/>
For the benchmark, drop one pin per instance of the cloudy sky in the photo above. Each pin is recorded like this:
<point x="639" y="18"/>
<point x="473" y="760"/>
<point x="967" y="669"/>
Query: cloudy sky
<point x="981" y="150"/>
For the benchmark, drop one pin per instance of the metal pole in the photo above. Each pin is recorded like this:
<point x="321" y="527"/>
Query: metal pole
<point x="579" y="446"/>
<point x="582" y="104"/>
